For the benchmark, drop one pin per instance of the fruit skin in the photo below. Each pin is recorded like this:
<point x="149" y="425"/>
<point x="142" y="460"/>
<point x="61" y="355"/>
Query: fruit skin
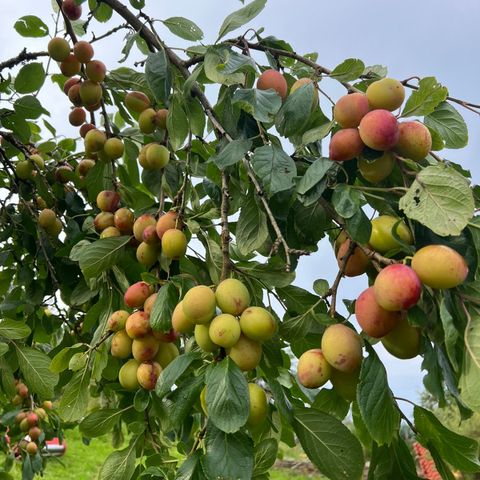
<point x="414" y="141"/>
<point x="147" y="374"/>
<point x="110" y="232"/>
<point x="90" y="92"/>
<point x="345" y="145"/>
<point x="117" y="320"/>
<point x="168" y="221"/>
<point x="174" y="244"/>
<point x="313" y="370"/>
<point x="203" y="339"/>
<point x="70" y="66"/>
<point x="56" y="229"/>
<point x="47" y="405"/>
<point x="85" y="128"/>
<point x="71" y="10"/>
<point x="246" y="353"/>
<point x="138" y="325"/>
<point x="147" y="255"/>
<point x="24" y="426"/>
<point x="302" y="82"/>
<point x="232" y="296"/>
<point x="397" y="287"/>
<point x="144" y="349"/>
<point x="374" y="320"/>
<point x="70" y="82"/>
<point x="137" y="101"/>
<point x="439" y="266"/>
<point x="127" y="376"/>
<point x="403" y="341"/>
<point x="96" y="71"/>
<point x="121" y="345"/>
<point x="108" y="200"/>
<point x="59" y="49"/>
<point x="378" y="169"/>
<point x="147" y="121"/>
<point x="258" y="324"/>
<point x="379" y="130"/>
<point x="350" y="109"/>
<point x="150" y="236"/>
<point x="63" y="173"/>
<point x="342" y="347"/>
<point x="199" y="304"/>
<point x="149" y="303"/>
<point x="83" y="51"/>
<point x="345" y="383"/>
<point x="46" y="218"/>
<point x="258" y="405"/>
<point x="34" y="433"/>
<point x="157" y="157"/>
<point x="74" y="95"/>
<point x="224" y="330"/>
<point x="382" y="239"/>
<point x="161" y="118"/>
<point x="103" y="220"/>
<point x="113" y="148"/>
<point x="123" y="220"/>
<point x="94" y="140"/>
<point x="77" y="116"/>
<point x="167" y="353"/>
<point x="357" y="263"/>
<point x="136" y="294"/>
<point x="24" y="170"/>
<point x="180" y="322"/>
<point x="387" y="94"/>
<point x="31" y="448"/>
<point x="141" y="223"/>
<point x="272" y="79"/>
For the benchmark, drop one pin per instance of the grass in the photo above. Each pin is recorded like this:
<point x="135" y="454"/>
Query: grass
<point x="82" y="462"/>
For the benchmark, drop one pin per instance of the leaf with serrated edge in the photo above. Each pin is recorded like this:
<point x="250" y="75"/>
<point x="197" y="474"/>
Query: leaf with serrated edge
<point x="252" y="228"/>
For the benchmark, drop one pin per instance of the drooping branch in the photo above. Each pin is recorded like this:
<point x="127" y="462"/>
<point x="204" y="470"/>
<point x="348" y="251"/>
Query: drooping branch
<point x="23" y="56"/>
<point x="110" y="32"/>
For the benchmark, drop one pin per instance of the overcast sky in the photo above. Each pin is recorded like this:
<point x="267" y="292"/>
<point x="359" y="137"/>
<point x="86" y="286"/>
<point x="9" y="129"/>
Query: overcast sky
<point x="413" y="38"/>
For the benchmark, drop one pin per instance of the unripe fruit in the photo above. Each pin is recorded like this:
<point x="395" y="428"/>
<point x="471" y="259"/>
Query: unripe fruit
<point x="127" y="376"/>
<point x="85" y="166"/>
<point x="161" y="118"/>
<point x="149" y="303"/>
<point x="224" y="330"/>
<point x="24" y="426"/>
<point x="20" y="416"/>
<point x="150" y="236"/>
<point x="167" y="353"/>
<point x="258" y="405"/>
<point x="32" y="419"/>
<point x="34" y="433"/>
<point x="103" y="220"/>
<point x="77" y="116"/>
<point x="22" y="390"/>
<point x="56" y="229"/>
<point x="83" y="51"/>
<point x="41" y="203"/>
<point x="74" y="95"/>
<point x="414" y="141"/>
<point x="180" y="322"/>
<point x="350" y="109"/>
<point x="37" y="160"/>
<point x="345" y="145"/>
<point x="168" y="221"/>
<point x="118" y="320"/>
<point x="113" y="148"/>
<point x="46" y="218"/>
<point x="137" y="101"/>
<point x="147" y="121"/>
<point x="403" y="341"/>
<point x="168" y="337"/>
<point x="357" y="263"/>
<point x="258" y="324"/>
<point x="108" y="200"/>
<point x="157" y="156"/>
<point x="71" y="10"/>
<point x="136" y="294"/>
<point x="147" y="255"/>
<point x="302" y="82"/>
<point x="59" y="49"/>
<point x="199" y="304"/>
<point x="313" y="370"/>
<point x="387" y="94"/>
<point x="174" y="244"/>
<point x="439" y="266"/>
<point x="17" y="400"/>
<point x="93" y="107"/>
<point x="24" y="170"/>
<point x="246" y="353"/>
<point x="374" y="320"/>
<point x="47" y="405"/>
<point x="90" y="92"/>
<point x="141" y="223"/>
<point x="110" y="232"/>
<point x="138" y="325"/>
<point x="377" y="170"/>
<point x="232" y="296"/>
<point x="272" y="79"/>
<point x="121" y="345"/>
<point x="397" y="287"/>
<point x="63" y="173"/>
<point x="96" y="71"/>
<point x="69" y="83"/>
<point x="342" y="347"/>
<point x="70" y="66"/>
<point x="345" y="383"/>
<point x="144" y="349"/>
<point x="203" y="339"/>
<point x="379" y="130"/>
<point x="95" y="140"/>
<point x="383" y="227"/>
<point x="123" y="219"/>
<point x="31" y="448"/>
<point x="147" y="374"/>
<point x="85" y="128"/>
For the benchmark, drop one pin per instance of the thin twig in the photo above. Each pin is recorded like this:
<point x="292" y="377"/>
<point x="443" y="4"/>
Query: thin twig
<point x="226" y="263"/>
<point x="23" y="56"/>
<point x="341" y="271"/>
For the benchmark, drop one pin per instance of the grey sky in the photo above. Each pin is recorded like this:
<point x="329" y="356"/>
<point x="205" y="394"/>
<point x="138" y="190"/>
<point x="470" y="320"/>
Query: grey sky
<point x="425" y="38"/>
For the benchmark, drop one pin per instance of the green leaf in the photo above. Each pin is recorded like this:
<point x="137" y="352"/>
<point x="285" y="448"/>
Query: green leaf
<point x="184" y="28"/>
<point x="191" y="468"/>
<point x="158" y="76"/>
<point x="228" y="456"/>
<point x="423" y="101"/>
<point x="3" y="349"/>
<point x="99" y="178"/>
<point x="177" y="123"/>
<point x="30" y="78"/>
<point x="231" y="154"/>
<point x="101" y="11"/>
<point x="74" y="401"/>
<point x="318" y="133"/>
<point x="241" y="17"/>
<point x="100" y="422"/>
<point x="35" y="367"/>
<point x="346" y="200"/>
<point x="252" y="228"/>
<point x="349" y="69"/>
<point x="375" y="400"/>
<point x="174" y="371"/>
<point x="14" y="329"/>
<point x="29" y="107"/>
<point x="446" y="120"/>
<point x="262" y="105"/>
<point x="265" y="456"/>
<point x="165" y="303"/>
<point x="459" y="451"/>
<point x="314" y="174"/>
<point x="119" y="465"/>
<point x="329" y="444"/>
<point x="101" y="255"/>
<point x="329" y="401"/>
<point x="275" y="168"/>
<point x="440" y="198"/>
<point x="227" y="396"/>
<point x="215" y="60"/>
<point x="31" y="26"/>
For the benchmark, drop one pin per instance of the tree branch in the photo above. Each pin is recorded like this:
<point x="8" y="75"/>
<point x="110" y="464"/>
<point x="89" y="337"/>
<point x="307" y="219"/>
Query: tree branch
<point x="334" y="288"/>
<point x="227" y="263"/>
<point x="23" y="56"/>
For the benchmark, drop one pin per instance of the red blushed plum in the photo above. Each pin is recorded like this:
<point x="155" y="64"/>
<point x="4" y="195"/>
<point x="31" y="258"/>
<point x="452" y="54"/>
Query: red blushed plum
<point x="379" y="130"/>
<point x="350" y="109"/>
<point x="397" y="287"/>
<point x="71" y="10"/>
<point x="108" y="201"/>
<point x="345" y="145"/>
<point x="147" y="374"/>
<point x="123" y="220"/>
<point x="169" y="337"/>
<point x="137" y="293"/>
<point x="141" y="223"/>
<point x="414" y="142"/>
<point x="357" y="262"/>
<point x="150" y="236"/>
<point x="313" y="370"/>
<point x="138" y="325"/>
<point x="374" y="320"/>
<point x="342" y="347"/>
<point x="168" y="221"/>
<point x="272" y="79"/>
<point x="137" y="101"/>
<point x="149" y="303"/>
<point x="144" y="349"/>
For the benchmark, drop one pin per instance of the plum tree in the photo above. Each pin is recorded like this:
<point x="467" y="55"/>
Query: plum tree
<point x="147" y="254"/>
<point x="414" y="140"/>
<point x="379" y="130"/>
<point x="167" y="353"/>
<point x="108" y="201"/>
<point x="94" y="140"/>
<point x="71" y="9"/>
<point x="157" y="156"/>
<point x="258" y="324"/>
<point x="345" y="145"/>
<point x="96" y="71"/>
<point x="342" y="347"/>
<point x="199" y="304"/>
<point x="224" y="330"/>
<point x="70" y="66"/>
<point x="273" y="79"/>
<point x="113" y="148"/>
<point x="313" y="370"/>
<point x="350" y="109"/>
<point x="387" y="94"/>
<point x="123" y="220"/>
<point x="168" y="221"/>
<point x="232" y="296"/>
